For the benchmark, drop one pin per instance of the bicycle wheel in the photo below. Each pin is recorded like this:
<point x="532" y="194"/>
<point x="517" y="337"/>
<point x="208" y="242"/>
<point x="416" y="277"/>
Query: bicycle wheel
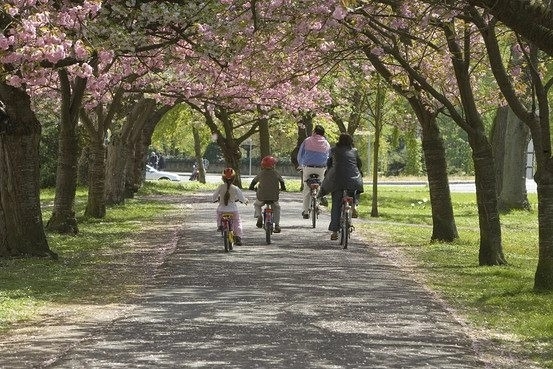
<point x="346" y="230"/>
<point x="344" y="233"/>
<point x="314" y="211"/>
<point x="226" y="240"/>
<point x="268" y="232"/>
<point x="342" y="228"/>
<point x="230" y="240"/>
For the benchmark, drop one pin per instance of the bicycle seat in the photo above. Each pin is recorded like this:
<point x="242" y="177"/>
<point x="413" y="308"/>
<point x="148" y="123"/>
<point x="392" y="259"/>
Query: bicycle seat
<point x="271" y="202"/>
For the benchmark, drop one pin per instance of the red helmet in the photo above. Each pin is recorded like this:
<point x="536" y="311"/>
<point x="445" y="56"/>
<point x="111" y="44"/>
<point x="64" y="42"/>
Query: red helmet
<point x="268" y="162"/>
<point x="228" y="174"/>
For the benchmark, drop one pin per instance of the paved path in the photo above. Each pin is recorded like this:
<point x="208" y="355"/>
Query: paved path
<point x="301" y="302"/>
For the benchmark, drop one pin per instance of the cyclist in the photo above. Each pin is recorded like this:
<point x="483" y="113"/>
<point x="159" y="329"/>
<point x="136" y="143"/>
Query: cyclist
<point x="344" y="173"/>
<point x="227" y="195"/>
<point x="312" y="158"/>
<point x="268" y="181"/>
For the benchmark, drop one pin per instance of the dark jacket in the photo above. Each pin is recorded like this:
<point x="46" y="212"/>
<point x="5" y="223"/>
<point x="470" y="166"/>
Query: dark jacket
<point x="269" y="182"/>
<point x="344" y="170"/>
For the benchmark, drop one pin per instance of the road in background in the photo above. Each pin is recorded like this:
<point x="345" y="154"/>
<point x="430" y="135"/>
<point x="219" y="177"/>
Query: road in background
<point x="455" y="186"/>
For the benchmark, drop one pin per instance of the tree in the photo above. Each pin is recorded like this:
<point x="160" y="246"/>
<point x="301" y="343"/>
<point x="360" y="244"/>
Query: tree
<point x="21" y="228"/>
<point x="509" y="144"/>
<point x="37" y="39"/>
<point x="532" y="107"/>
<point x="413" y="47"/>
<point x="63" y="218"/>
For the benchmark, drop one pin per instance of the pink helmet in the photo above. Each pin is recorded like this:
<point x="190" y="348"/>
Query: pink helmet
<point x="228" y="174"/>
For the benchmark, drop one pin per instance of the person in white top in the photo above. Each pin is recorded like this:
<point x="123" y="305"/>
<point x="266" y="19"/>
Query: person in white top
<point x="227" y="195"/>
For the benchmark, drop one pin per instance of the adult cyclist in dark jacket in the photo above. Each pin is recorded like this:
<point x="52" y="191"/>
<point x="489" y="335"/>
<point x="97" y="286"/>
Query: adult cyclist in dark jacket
<point x="344" y="173"/>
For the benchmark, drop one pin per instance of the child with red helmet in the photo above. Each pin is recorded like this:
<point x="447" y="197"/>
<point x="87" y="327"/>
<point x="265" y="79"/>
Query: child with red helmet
<point x="268" y="181"/>
<point x="228" y="194"/>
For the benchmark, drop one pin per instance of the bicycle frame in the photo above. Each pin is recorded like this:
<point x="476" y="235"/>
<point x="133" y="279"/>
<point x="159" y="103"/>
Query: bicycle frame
<point x="346" y="226"/>
<point x="268" y="221"/>
<point x="314" y="184"/>
<point x="227" y="231"/>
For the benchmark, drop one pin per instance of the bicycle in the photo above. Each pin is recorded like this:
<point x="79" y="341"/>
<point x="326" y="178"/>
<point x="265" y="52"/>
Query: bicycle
<point x="314" y="184"/>
<point x="346" y="226"/>
<point x="227" y="232"/>
<point x="268" y="222"/>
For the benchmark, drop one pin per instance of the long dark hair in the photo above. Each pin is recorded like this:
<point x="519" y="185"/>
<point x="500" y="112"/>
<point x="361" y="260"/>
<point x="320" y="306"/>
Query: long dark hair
<point x="226" y="197"/>
<point x="345" y="140"/>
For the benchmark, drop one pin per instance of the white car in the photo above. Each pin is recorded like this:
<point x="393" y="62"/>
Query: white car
<point x="153" y="174"/>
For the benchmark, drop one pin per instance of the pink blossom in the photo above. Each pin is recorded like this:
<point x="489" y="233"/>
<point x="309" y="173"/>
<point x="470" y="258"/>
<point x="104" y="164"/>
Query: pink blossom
<point x="4" y="42"/>
<point x="14" y="81"/>
<point x="339" y="13"/>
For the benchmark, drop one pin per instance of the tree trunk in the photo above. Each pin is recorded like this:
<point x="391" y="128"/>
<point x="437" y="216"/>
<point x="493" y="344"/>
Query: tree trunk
<point x="264" y="144"/>
<point x="143" y="141"/>
<point x="443" y="221"/>
<point x="543" y="279"/>
<point x="96" y="204"/>
<point x="116" y="165"/>
<point x="120" y="153"/>
<point x="21" y="226"/>
<point x="198" y="154"/>
<point x="491" y="251"/>
<point x="509" y="143"/>
<point x="63" y="218"/>
<point x="376" y="149"/>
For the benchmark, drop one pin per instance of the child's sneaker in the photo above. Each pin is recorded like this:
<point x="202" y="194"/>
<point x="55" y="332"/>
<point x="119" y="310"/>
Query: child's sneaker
<point x="259" y="223"/>
<point x="219" y="228"/>
<point x="238" y="241"/>
<point x="277" y="229"/>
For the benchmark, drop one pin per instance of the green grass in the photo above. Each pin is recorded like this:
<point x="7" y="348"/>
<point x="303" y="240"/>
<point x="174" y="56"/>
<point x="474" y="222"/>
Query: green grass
<point x="498" y="298"/>
<point x="88" y="263"/>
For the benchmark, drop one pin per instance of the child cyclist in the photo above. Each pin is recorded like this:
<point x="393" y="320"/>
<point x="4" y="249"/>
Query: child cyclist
<point x="228" y="194"/>
<point x="268" y="181"/>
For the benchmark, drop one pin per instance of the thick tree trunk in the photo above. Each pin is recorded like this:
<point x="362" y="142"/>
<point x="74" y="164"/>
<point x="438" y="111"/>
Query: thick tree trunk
<point x="96" y="204"/>
<point x="443" y="221"/>
<point x="116" y="170"/>
<point x="509" y="142"/>
<point x="491" y="250"/>
<point x="63" y="218"/>
<point x="264" y="144"/>
<point x="543" y="280"/>
<point x="21" y="226"/>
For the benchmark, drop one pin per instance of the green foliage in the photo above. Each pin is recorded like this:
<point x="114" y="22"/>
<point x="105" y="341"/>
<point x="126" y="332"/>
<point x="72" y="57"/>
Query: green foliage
<point x="458" y="152"/>
<point x="173" y="134"/>
<point x="213" y="153"/>
<point x="498" y="298"/>
<point x="413" y="155"/>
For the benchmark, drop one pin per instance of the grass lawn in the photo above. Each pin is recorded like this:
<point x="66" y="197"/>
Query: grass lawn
<point x="498" y="298"/>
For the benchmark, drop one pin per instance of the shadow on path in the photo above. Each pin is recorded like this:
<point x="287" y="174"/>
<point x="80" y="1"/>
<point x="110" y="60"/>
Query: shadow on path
<point x="301" y="302"/>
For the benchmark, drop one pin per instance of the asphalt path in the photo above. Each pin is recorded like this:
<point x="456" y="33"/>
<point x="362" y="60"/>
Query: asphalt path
<point x="300" y="302"/>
